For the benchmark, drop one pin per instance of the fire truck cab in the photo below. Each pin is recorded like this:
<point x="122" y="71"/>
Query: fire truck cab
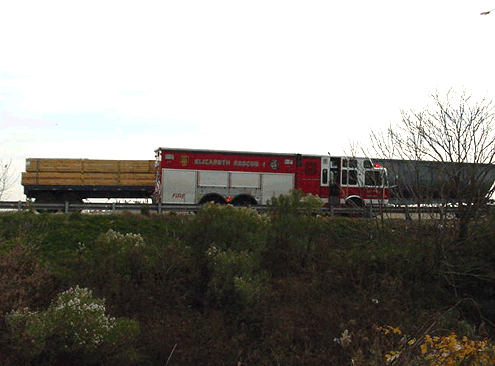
<point x="188" y="176"/>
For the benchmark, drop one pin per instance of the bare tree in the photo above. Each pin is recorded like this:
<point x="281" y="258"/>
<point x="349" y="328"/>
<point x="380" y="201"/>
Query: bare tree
<point x="443" y="153"/>
<point x="6" y="178"/>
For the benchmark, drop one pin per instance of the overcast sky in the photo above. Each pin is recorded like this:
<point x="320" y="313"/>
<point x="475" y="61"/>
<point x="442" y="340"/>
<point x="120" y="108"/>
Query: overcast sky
<point x="117" y="79"/>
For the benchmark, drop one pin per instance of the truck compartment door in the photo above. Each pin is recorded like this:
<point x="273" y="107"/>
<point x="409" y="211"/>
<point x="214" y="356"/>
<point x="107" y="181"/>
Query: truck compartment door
<point x="245" y="180"/>
<point x="179" y="186"/>
<point x="273" y="185"/>
<point x="213" y="179"/>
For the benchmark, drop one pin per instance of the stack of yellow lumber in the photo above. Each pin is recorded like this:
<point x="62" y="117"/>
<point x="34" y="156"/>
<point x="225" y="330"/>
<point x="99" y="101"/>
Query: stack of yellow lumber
<point x="86" y="172"/>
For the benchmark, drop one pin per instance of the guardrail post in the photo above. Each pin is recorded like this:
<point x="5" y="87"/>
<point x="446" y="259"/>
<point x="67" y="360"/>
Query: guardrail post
<point x="407" y="214"/>
<point x="113" y="207"/>
<point x="66" y="206"/>
<point x="160" y="208"/>
<point x="19" y="205"/>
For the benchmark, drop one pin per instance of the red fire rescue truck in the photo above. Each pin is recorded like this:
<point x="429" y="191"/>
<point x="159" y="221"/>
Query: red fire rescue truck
<point x="188" y="176"/>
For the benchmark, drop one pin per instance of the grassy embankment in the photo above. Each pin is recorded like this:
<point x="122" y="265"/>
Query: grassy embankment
<point x="232" y="287"/>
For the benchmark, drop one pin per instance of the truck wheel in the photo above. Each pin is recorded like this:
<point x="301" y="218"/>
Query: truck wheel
<point x="244" y="200"/>
<point x="355" y="202"/>
<point x="215" y="198"/>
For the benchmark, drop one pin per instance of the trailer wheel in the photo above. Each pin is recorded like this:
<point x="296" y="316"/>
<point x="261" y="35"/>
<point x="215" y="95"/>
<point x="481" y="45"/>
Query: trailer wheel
<point x="58" y="197"/>
<point x="45" y="197"/>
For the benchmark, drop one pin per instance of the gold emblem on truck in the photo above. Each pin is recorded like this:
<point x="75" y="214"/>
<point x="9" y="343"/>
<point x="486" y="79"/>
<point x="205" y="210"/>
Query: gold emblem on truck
<point x="184" y="160"/>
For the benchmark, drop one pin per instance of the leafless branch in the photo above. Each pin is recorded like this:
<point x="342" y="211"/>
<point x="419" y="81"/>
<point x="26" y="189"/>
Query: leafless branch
<point x="6" y="177"/>
<point x="450" y="147"/>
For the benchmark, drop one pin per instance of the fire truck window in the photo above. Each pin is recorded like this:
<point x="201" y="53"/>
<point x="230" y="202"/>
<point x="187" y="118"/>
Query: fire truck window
<point x="352" y="177"/>
<point x="368" y="178"/>
<point x="310" y="168"/>
<point x="334" y="176"/>
<point x="373" y="178"/>
<point x="378" y="179"/>
<point x="352" y="163"/>
<point x="324" y="176"/>
<point x="367" y="164"/>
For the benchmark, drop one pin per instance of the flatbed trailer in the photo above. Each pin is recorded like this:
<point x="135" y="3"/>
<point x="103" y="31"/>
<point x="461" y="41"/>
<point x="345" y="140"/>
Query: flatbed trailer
<point x="72" y="180"/>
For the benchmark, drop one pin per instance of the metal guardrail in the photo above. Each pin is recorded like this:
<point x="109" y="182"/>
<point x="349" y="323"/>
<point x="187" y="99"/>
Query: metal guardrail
<point x="67" y="207"/>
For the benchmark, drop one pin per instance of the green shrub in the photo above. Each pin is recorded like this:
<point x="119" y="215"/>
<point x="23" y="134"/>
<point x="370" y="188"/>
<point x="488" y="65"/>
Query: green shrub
<point x="227" y="227"/>
<point x="74" y="324"/>
<point x="236" y="279"/>
<point x="136" y="277"/>
<point x="295" y="231"/>
<point x="296" y="203"/>
<point x="23" y="226"/>
<point x="220" y="238"/>
<point x="24" y="282"/>
<point x="24" y="279"/>
<point x="113" y="266"/>
<point x="145" y="210"/>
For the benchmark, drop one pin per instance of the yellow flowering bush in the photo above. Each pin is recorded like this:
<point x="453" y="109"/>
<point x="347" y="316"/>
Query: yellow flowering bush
<point x="451" y="351"/>
<point x="441" y="350"/>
